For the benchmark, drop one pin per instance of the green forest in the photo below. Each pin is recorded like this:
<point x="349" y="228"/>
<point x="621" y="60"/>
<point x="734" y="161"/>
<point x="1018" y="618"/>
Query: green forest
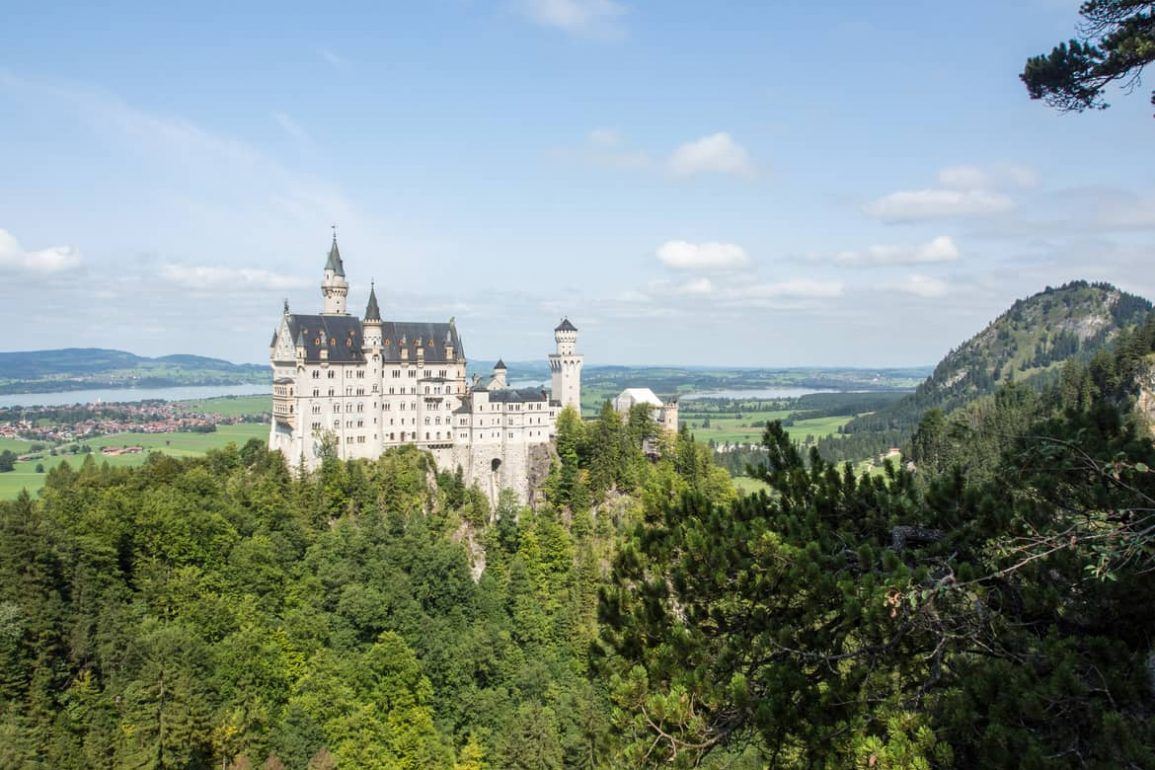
<point x="988" y="608"/>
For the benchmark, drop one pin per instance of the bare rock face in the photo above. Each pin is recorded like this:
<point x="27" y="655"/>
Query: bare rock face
<point x="1145" y="403"/>
<point x="541" y="457"/>
<point x="475" y="551"/>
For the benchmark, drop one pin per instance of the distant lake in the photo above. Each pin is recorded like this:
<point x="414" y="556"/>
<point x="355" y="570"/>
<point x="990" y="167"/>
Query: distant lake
<point x="756" y="393"/>
<point x="123" y="395"/>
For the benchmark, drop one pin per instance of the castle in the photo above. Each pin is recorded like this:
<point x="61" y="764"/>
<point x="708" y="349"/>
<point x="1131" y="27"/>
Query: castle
<point x="362" y="385"/>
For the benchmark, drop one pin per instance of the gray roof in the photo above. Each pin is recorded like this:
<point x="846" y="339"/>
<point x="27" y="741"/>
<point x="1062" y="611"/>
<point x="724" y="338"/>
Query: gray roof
<point x="520" y="395"/>
<point x="341" y="335"/>
<point x="372" y="311"/>
<point x="396" y="335"/>
<point x="565" y="326"/>
<point x="499" y="365"/>
<point x="334" y="262"/>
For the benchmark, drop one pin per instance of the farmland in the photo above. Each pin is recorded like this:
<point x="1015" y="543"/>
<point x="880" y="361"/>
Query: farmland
<point x="175" y="444"/>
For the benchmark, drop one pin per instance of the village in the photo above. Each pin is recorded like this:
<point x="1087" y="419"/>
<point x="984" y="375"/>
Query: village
<point x="54" y="425"/>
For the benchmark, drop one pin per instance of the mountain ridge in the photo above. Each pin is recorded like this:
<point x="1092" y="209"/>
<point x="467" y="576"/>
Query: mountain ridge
<point x="1029" y="342"/>
<point x="39" y="371"/>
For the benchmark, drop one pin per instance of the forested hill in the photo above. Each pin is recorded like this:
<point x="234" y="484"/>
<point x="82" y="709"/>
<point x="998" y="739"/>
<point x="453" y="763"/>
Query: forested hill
<point x="38" y="371"/>
<point x="1027" y="343"/>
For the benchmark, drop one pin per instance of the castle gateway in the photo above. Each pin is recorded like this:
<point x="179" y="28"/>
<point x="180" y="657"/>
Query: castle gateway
<point x="362" y="385"/>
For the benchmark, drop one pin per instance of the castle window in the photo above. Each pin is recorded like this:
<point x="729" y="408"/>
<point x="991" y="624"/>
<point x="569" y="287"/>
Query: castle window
<point x="397" y="373"/>
<point x="316" y="374"/>
<point x="316" y="392"/>
<point x="332" y="374"/>
<point x="374" y="387"/>
<point x="331" y="391"/>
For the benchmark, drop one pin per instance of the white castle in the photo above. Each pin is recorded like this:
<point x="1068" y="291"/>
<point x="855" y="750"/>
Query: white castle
<point x="364" y="385"/>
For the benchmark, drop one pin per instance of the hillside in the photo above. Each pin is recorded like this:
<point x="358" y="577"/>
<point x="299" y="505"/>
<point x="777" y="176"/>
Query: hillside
<point x="39" y="371"/>
<point x="1028" y="343"/>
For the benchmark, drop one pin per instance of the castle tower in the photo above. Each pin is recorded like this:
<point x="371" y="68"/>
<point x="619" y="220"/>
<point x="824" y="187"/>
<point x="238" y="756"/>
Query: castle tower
<point x="334" y="287"/>
<point x="498" y="381"/>
<point x="372" y="323"/>
<point x="565" y="366"/>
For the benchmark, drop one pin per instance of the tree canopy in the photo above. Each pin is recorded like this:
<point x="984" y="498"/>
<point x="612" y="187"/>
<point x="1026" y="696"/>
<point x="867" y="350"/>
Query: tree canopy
<point x="1117" y="41"/>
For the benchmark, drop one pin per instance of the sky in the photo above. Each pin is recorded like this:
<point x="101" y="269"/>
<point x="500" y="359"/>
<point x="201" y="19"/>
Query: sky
<point x="731" y="183"/>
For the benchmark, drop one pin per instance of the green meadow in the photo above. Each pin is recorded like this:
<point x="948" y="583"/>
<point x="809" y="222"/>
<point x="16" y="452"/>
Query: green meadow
<point x="174" y="444"/>
<point x="230" y="406"/>
<point x="748" y="427"/>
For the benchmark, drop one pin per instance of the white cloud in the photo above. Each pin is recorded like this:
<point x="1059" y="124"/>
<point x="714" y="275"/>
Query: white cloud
<point x="696" y="286"/>
<point x="938" y="203"/>
<point x="292" y="128"/>
<point x="589" y="18"/>
<point x="333" y="59"/>
<point x="204" y="278"/>
<point x="1126" y="212"/>
<point x="1000" y="176"/>
<point x="922" y="286"/>
<point x="717" y="153"/>
<point x="605" y="137"/>
<point x="682" y="255"/>
<point x="940" y="249"/>
<point x="962" y="191"/>
<point x="797" y="288"/>
<point x="53" y="259"/>
<point x="964" y="178"/>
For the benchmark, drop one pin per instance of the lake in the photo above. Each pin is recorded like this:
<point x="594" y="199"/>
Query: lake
<point x="122" y="395"/>
<point x="756" y="393"/>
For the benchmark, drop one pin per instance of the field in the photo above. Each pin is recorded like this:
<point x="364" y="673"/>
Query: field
<point x="19" y="446"/>
<point x="175" y="444"/>
<point x="749" y="486"/>
<point x="230" y="406"/>
<point x="748" y="426"/>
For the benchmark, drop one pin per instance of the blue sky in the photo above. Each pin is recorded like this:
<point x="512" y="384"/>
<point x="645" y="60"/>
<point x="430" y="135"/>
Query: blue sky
<point x="731" y="183"/>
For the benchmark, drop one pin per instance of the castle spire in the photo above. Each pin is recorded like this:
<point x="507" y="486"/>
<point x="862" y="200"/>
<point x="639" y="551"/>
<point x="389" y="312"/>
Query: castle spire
<point x="334" y="262"/>
<point x="372" y="311"/>
<point x="334" y="287"/>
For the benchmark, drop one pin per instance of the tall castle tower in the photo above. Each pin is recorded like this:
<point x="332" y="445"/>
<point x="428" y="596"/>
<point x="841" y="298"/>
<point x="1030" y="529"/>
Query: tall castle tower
<point x="566" y="366"/>
<point x="334" y="287"/>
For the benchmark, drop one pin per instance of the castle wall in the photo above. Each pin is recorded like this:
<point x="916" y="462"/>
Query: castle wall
<point x="384" y="391"/>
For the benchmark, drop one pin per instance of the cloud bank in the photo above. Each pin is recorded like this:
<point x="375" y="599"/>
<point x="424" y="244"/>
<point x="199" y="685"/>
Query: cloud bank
<point x="54" y="259"/>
